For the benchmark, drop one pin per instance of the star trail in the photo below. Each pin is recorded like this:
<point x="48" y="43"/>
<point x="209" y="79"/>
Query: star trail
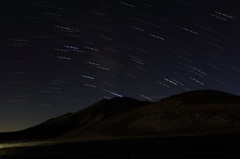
<point x="61" y="56"/>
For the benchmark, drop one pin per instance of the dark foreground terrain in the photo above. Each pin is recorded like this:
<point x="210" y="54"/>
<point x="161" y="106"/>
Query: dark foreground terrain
<point x="151" y="148"/>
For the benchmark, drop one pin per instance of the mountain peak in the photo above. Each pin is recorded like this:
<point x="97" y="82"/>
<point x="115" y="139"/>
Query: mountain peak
<point x="204" y="97"/>
<point x="121" y="100"/>
<point x="114" y="105"/>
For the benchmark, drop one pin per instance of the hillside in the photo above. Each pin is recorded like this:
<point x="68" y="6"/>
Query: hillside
<point x="204" y="112"/>
<point x="84" y="118"/>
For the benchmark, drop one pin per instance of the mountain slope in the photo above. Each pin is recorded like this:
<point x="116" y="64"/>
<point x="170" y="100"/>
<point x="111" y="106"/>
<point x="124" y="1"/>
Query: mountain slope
<point x="202" y="112"/>
<point x="191" y="113"/>
<point x="84" y="118"/>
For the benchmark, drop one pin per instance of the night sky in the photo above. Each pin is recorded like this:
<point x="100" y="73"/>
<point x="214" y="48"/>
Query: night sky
<point x="61" y="56"/>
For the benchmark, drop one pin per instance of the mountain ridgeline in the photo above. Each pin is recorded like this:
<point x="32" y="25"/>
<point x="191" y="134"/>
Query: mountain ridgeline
<point x="195" y="113"/>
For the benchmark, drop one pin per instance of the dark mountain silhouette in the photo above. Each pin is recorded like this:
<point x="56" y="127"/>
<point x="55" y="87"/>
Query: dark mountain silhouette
<point x="205" y="112"/>
<point x="204" y="97"/>
<point x="87" y="117"/>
